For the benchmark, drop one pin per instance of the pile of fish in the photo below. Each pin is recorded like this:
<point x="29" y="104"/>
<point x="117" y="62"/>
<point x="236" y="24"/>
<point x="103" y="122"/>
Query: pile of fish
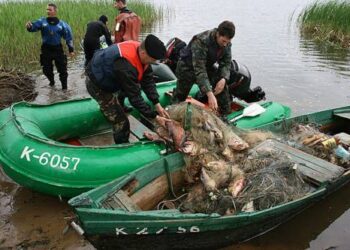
<point x="218" y="161"/>
<point x="208" y="145"/>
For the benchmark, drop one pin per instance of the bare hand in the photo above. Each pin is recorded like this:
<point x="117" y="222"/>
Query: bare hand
<point x="212" y="101"/>
<point x="71" y="54"/>
<point x="220" y="85"/>
<point x="29" y="25"/>
<point x="161" y="111"/>
<point x="161" y="120"/>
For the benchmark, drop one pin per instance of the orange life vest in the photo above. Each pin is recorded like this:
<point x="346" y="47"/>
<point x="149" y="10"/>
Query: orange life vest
<point x="128" y="50"/>
<point x="128" y="26"/>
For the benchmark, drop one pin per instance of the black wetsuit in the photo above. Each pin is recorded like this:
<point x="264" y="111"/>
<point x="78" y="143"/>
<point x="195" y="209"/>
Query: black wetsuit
<point x="94" y="31"/>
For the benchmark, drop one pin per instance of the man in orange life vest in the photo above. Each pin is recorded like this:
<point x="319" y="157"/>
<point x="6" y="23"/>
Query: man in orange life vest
<point x="128" y="24"/>
<point x="124" y="67"/>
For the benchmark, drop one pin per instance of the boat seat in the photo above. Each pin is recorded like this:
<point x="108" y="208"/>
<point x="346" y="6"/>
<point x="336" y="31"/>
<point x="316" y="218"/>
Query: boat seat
<point x="137" y="129"/>
<point x="314" y="169"/>
<point x="345" y="114"/>
<point x="120" y="200"/>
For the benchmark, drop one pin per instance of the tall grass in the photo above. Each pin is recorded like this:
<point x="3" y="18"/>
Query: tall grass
<point x="327" y="21"/>
<point x="20" y="48"/>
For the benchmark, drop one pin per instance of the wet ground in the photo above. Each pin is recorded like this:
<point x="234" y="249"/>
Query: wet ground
<point x="29" y="220"/>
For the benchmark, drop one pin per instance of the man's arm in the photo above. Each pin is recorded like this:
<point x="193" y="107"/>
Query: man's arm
<point x="34" y="26"/>
<point x="148" y="85"/>
<point x="68" y="36"/>
<point x="127" y="80"/>
<point x="107" y="35"/>
<point x="225" y="63"/>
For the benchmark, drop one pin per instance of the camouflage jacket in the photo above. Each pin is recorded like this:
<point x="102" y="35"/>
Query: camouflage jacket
<point x="202" y="53"/>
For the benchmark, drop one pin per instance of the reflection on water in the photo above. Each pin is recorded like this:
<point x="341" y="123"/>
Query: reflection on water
<point x="293" y="71"/>
<point x="267" y="41"/>
<point x="322" y="226"/>
<point x="327" y="56"/>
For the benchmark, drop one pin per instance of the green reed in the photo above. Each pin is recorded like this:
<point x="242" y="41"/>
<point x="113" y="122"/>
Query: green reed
<point x="20" y="48"/>
<point x="327" y="21"/>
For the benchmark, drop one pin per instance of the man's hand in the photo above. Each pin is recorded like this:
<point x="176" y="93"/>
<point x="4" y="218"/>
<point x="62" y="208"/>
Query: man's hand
<point x="161" y="111"/>
<point x="29" y="25"/>
<point x="161" y="120"/>
<point x="220" y="85"/>
<point x="212" y="101"/>
<point x="71" y="55"/>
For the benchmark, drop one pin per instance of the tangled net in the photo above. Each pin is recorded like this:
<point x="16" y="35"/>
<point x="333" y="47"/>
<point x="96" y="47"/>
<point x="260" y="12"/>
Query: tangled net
<point x="14" y="87"/>
<point x="223" y="175"/>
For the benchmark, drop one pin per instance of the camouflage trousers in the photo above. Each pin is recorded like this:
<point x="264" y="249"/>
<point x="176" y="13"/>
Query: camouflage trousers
<point x="112" y="110"/>
<point x="185" y="80"/>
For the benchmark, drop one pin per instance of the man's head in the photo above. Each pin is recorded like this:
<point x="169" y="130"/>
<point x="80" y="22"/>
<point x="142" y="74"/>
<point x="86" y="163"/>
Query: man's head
<point x="51" y="10"/>
<point x="151" y="50"/>
<point x="225" y="33"/>
<point x="103" y="19"/>
<point x="119" y="4"/>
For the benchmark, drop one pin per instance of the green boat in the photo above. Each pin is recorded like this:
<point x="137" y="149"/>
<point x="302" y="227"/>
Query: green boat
<point x="110" y="217"/>
<point x="36" y="148"/>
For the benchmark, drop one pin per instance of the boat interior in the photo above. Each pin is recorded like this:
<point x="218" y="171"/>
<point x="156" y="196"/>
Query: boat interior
<point x="138" y="195"/>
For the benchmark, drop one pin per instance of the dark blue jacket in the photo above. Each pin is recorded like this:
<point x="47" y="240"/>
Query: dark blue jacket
<point x="52" y="30"/>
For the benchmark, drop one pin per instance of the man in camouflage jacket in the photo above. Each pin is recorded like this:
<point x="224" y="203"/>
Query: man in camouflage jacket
<point x="198" y="64"/>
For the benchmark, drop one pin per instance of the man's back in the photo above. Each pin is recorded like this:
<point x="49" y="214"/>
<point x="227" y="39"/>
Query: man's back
<point x="128" y="26"/>
<point x="95" y="30"/>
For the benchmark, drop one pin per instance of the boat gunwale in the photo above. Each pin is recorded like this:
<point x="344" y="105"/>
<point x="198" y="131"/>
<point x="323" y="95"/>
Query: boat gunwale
<point x="52" y="142"/>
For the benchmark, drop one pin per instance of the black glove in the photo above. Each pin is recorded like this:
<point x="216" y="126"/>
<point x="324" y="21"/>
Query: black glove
<point x="254" y="95"/>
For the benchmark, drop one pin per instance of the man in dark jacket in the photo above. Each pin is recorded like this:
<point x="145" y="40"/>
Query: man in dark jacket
<point x="94" y="31"/>
<point x="125" y="67"/>
<point x="52" y="31"/>
<point x="197" y="65"/>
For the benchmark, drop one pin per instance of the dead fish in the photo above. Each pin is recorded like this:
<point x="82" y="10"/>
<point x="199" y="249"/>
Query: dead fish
<point x="228" y="154"/>
<point x="236" y="186"/>
<point x="176" y="132"/>
<point x="219" y="171"/>
<point x="208" y="182"/>
<point x="153" y="136"/>
<point x="192" y="148"/>
<point x="215" y="131"/>
<point x="248" y="207"/>
<point x="237" y="143"/>
<point x="173" y="133"/>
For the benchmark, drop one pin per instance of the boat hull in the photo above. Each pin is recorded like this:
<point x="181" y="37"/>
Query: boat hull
<point x="117" y="228"/>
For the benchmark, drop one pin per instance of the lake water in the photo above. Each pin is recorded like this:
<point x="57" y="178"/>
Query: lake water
<point x="291" y="70"/>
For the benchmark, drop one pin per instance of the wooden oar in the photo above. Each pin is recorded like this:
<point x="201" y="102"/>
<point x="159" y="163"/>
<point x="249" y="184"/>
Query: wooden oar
<point x="250" y="111"/>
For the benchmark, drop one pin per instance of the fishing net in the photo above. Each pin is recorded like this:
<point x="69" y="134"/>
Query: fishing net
<point x="272" y="185"/>
<point x="222" y="174"/>
<point x="14" y="87"/>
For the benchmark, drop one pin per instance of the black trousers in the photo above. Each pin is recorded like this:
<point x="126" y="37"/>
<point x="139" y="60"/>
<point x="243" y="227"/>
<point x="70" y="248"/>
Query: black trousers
<point x="90" y="46"/>
<point x="50" y="54"/>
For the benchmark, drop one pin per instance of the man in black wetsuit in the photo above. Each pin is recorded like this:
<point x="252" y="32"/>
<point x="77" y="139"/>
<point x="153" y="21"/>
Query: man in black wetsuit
<point x="94" y="31"/>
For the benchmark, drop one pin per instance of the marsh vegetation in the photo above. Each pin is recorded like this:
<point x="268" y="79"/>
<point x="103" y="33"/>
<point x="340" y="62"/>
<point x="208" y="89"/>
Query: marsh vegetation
<point x="327" y="22"/>
<point x="21" y="49"/>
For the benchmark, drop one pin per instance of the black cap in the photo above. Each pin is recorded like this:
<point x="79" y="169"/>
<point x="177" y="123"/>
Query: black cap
<point x="103" y="19"/>
<point x="154" y="47"/>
